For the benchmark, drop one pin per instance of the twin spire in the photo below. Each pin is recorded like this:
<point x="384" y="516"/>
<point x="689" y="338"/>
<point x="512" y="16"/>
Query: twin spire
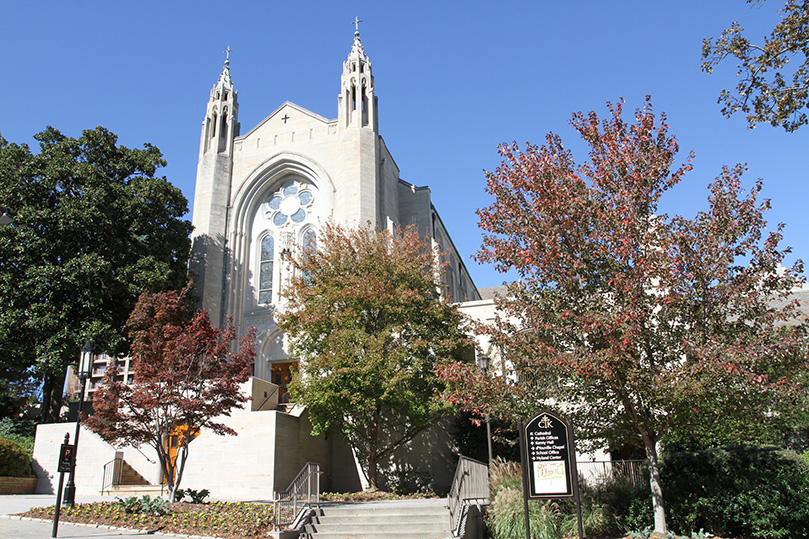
<point x="357" y="104"/>
<point x="356" y="52"/>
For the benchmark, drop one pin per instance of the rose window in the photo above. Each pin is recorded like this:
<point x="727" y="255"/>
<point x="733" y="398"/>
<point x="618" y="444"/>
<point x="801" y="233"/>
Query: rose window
<point x="291" y="203"/>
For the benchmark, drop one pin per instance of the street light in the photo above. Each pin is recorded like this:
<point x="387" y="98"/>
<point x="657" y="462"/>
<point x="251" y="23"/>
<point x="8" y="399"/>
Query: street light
<point x="85" y="363"/>
<point x="483" y="363"/>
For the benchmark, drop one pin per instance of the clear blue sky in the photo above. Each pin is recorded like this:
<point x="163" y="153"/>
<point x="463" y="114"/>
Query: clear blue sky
<point x="454" y="79"/>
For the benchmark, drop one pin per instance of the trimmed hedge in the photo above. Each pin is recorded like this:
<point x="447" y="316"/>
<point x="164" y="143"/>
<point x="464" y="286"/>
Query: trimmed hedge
<point x="14" y="459"/>
<point x="743" y="491"/>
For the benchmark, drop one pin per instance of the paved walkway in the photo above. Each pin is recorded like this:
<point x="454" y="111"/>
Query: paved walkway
<point x="14" y="528"/>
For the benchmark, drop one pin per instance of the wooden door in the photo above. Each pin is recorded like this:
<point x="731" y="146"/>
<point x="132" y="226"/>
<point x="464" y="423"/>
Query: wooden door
<point x="281" y="376"/>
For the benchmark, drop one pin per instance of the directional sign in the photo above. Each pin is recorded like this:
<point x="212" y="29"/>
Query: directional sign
<point x="549" y="458"/>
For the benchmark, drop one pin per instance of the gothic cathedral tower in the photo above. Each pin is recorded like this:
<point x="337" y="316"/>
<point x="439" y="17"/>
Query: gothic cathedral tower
<point x="358" y="132"/>
<point x="212" y="193"/>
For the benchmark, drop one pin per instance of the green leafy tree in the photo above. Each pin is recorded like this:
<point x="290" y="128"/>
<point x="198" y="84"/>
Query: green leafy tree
<point x="367" y="321"/>
<point x="186" y="378"/>
<point x="642" y="324"/>
<point x="92" y="228"/>
<point x="773" y="76"/>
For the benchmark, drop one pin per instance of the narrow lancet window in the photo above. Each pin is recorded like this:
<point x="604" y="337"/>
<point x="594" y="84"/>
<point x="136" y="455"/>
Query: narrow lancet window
<point x="266" y="270"/>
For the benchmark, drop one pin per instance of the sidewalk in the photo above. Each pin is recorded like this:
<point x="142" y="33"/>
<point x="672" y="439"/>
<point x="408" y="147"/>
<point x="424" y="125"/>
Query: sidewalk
<point x="13" y="528"/>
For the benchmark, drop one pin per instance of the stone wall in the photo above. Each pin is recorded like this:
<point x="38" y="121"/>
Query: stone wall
<point x="267" y="453"/>
<point x="18" y="485"/>
<point x="91" y="456"/>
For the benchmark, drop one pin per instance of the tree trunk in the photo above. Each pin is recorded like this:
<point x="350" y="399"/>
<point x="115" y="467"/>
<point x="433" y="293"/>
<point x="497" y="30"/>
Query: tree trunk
<point x="658" y="508"/>
<point x="52" y="390"/>
<point x="372" y="470"/>
<point x="373" y="453"/>
<point x="165" y="466"/>
<point x="179" y="466"/>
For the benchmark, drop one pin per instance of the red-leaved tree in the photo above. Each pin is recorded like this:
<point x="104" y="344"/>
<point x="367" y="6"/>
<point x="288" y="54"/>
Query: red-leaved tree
<point x="186" y="376"/>
<point x="636" y="324"/>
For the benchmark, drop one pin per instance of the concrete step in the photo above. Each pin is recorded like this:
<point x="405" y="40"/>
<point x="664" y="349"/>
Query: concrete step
<point x="405" y="519"/>
<point x="389" y="518"/>
<point x="411" y="528"/>
<point x="376" y="535"/>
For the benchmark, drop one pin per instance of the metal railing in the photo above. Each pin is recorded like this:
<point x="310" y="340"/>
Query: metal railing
<point x="112" y="474"/>
<point x="302" y="493"/>
<point x="602" y="471"/>
<point x="470" y="486"/>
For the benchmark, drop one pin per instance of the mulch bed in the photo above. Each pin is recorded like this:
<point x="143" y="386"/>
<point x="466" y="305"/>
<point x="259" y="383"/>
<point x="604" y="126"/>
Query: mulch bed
<point x="230" y="520"/>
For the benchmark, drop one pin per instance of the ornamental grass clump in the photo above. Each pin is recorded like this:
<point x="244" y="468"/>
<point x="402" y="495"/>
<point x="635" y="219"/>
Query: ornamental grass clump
<point x="549" y="519"/>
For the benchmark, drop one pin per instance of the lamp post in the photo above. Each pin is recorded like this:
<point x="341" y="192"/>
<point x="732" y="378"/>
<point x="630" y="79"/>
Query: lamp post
<point x="483" y="362"/>
<point x="85" y="363"/>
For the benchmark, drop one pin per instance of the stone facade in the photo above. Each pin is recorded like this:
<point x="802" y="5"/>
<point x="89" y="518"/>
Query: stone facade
<point x="261" y="194"/>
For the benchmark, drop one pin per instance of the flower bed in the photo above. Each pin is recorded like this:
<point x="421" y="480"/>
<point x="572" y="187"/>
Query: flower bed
<point x="231" y="520"/>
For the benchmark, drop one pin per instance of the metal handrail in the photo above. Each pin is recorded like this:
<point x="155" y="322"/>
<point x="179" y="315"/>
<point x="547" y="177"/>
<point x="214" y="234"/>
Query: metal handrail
<point x="302" y="493"/>
<point x="470" y="486"/>
<point x="112" y="474"/>
<point x="600" y="471"/>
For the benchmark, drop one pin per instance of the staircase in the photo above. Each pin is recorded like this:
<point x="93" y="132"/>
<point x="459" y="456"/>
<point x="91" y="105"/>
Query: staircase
<point x="128" y="483"/>
<point x="401" y="519"/>
<point x="129" y="476"/>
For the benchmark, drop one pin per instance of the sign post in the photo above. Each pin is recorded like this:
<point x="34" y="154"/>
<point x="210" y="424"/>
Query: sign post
<point x="66" y="455"/>
<point x="548" y="454"/>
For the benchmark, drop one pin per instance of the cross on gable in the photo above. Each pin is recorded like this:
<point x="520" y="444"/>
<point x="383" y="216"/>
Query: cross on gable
<point x="285" y="118"/>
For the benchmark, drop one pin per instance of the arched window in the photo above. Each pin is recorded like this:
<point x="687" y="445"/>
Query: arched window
<point x="266" y="270"/>
<point x="309" y="239"/>
<point x="285" y="223"/>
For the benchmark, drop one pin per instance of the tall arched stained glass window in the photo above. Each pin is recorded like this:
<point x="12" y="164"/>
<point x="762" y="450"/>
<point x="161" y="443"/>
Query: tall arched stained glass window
<point x="265" y="272"/>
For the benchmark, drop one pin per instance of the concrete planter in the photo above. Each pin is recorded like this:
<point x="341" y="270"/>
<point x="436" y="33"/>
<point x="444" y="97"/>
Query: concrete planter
<point x="18" y="485"/>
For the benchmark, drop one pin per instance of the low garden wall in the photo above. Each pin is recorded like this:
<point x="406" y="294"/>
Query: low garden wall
<point x="18" y="485"/>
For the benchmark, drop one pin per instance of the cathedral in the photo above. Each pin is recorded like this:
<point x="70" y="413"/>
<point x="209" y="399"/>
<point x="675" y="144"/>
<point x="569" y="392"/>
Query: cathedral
<point x="260" y="196"/>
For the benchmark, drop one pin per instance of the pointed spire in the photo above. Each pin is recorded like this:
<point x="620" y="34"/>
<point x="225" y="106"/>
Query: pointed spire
<point x="224" y="78"/>
<point x="356" y="49"/>
<point x="357" y="104"/>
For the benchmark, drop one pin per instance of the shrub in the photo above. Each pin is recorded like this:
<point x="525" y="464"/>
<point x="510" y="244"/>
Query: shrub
<point x="19" y="429"/>
<point x="15" y="461"/>
<point x="742" y="491"/>
<point x="144" y="504"/>
<point x="627" y="505"/>
<point x="406" y="481"/>
<point x="196" y="496"/>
